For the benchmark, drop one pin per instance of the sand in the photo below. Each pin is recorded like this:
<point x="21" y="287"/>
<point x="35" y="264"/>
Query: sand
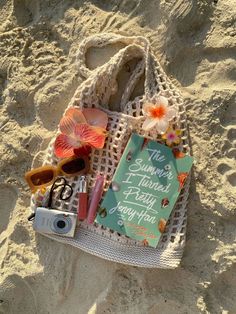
<point x="195" y="41"/>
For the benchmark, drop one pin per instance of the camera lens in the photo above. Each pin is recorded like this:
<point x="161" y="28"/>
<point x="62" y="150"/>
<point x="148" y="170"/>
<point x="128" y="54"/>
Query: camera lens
<point x="61" y="224"/>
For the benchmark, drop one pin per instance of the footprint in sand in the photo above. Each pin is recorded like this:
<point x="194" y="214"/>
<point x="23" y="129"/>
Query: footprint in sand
<point x="220" y="294"/>
<point x="227" y="173"/>
<point x="231" y="134"/>
<point x="223" y="168"/>
<point x="3" y="82"/>
<point x="232" y="178"/>
<point x="5" y="10"/>
<point x="226" y="168"/>
<point x="16" y="296"/>
<point x="8" y="197"/>
<point x="25" y="11"/>
<point x="230" y="150"/>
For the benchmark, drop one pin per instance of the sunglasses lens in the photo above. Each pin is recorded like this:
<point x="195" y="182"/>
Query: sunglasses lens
<point x="73" y="166"/>
<point x="42" y="177"/>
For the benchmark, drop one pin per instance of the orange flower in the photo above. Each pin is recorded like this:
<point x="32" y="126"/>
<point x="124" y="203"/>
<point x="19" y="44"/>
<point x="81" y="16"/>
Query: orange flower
<point x="80" y="130"/>
<point x="177" y="153"/>
<point x="182" y="176"/>
<point x="158" y="115"/>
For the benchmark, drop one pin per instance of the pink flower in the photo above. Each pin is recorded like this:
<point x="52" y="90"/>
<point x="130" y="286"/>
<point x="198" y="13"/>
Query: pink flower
<point x="172" y="136"/>
<point x="158" y="115"/>
<point x="81" y="130"/>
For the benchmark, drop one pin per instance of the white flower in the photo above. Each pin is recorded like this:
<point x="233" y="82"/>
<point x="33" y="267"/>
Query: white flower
<point x="158" y="115"/>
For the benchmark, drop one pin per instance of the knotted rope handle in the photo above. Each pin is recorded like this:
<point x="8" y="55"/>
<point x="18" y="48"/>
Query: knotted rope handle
<point x="104" y="39"/>
<point x="101" y="40"/>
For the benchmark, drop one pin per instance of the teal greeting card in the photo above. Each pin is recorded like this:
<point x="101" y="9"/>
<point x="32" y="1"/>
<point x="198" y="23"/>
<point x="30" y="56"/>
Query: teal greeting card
<point x="144" y="189"/>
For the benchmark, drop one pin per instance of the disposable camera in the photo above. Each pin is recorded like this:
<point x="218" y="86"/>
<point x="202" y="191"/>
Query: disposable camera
<point x="52" y="221"/>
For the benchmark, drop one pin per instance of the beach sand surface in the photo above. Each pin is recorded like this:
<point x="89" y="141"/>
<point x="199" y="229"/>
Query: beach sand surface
<point x="195" y="42"/>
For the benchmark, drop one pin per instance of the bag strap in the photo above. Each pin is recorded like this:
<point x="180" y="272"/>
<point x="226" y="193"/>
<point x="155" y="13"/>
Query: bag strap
<point x="137" y="43"/>
<point x="101" y="40"/>
<point x="151" y="86"/>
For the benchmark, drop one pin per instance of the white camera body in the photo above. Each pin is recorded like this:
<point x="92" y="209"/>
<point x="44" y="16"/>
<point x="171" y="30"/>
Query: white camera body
<point x="52" y="221"/>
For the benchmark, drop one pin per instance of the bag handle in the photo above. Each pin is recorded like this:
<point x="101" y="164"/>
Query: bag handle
<point x="101" y="40"/>
<point x="137" y="44"/>
<point x="151" y="86"/>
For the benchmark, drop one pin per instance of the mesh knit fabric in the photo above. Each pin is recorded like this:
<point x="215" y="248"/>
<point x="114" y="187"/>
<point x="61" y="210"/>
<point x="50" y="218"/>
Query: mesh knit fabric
<point x="95" y="92"/>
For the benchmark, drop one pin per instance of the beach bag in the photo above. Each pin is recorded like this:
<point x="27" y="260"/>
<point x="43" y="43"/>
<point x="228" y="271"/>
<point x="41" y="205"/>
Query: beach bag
<point x="125" y="117"/>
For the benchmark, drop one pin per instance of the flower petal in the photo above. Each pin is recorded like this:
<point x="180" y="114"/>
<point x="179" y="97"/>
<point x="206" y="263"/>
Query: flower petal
<point x="171" y="135"/>
<point x="147" y="107"/>
<point x="178" y="132"/>
<point x="99" y="130"/>
<point x="95" y="117"/>
<point x="161" y="100"/>
<point x="169" y="143"/>
<point x="76" y="115"/>
<point x="88" y="135"/>
<point x="162" y="125"/>
<point x="83" y="150"/>
<point x="67" y="125"/>
<point x="63" y="146"/>
<point x="148" y="124"/>
<point x="177" y="141"/>
<point x="171" y="113"/>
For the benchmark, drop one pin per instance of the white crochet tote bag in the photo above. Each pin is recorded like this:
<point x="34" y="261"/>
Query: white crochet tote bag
<point x="95" y="91"/>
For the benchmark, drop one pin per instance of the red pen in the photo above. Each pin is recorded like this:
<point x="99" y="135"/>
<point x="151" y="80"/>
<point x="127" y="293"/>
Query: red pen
<point x="83" y="199"/>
